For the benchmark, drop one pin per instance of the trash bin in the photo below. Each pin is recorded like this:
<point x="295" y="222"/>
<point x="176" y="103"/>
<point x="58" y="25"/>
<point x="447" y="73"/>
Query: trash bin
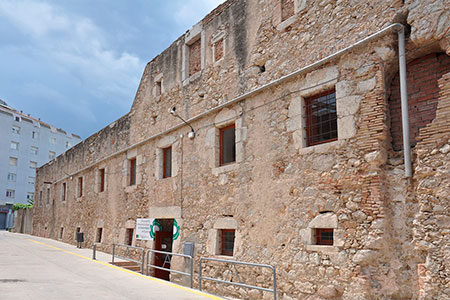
<point x="80" y="239"/>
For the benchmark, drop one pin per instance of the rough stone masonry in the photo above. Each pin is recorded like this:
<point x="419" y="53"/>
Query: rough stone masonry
<point x="306" y="174"/>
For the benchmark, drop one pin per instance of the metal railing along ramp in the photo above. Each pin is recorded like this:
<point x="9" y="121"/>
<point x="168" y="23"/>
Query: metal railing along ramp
<point x="128" y="247"/>
<point x="234" y="263"/>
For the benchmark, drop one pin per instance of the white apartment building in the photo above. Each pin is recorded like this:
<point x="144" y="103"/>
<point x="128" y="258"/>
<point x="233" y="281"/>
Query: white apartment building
<point x="27" y="143"/>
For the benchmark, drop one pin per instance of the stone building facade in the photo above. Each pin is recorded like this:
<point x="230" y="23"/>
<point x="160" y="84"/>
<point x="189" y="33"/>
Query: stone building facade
<point x="297" y="159"/>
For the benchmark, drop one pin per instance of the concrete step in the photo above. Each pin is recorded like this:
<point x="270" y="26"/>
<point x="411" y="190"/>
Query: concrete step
<point x="128" y="265"/>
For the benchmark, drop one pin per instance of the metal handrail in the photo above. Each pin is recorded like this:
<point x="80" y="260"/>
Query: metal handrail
<point x="127" y="258"/>
<point x="191" y="264"/>
<point x="235" y="262"/>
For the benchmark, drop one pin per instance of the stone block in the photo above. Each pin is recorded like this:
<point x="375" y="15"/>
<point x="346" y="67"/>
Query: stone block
<point x="346" y="127"/>
<point x="348" y="106"/>
<point x="366" y="86"/>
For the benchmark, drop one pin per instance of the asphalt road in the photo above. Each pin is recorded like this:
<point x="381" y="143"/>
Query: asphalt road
<point x="38" y="268"/>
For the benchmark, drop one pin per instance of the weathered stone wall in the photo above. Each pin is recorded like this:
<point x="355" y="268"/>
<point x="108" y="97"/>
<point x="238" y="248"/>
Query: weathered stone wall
<point x="279" y="190"/>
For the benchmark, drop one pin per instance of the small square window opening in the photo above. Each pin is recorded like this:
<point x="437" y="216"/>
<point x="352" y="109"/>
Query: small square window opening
<point x="324" y="236"/>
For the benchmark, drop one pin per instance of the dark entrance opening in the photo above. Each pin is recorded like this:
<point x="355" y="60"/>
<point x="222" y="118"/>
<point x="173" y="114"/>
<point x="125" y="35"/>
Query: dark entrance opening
<point x="163" y="242"/>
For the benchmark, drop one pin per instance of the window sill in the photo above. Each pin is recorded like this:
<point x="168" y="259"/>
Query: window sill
<point x="192" y="78"/>
<point x="225" y="168"/>
<point x="286" y="23"/>
<point x="322" y="248"/>
<point x="322" y="148"/>
<point x="130" y="188"/>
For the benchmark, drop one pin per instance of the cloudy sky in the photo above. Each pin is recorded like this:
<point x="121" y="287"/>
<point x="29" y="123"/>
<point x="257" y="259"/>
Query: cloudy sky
<point x="77" y="64"/>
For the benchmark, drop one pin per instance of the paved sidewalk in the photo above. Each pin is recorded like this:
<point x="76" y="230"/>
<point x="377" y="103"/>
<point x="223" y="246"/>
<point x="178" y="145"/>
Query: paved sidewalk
<point x="38" y="268"/>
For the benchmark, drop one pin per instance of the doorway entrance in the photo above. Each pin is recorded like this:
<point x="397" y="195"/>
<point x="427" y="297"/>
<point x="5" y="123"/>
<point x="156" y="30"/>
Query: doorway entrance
<point x="163" y="242"/>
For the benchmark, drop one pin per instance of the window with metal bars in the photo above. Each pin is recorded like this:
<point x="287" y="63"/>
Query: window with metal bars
<point x="321" y="118"/>
<point x="227" y="241"/>
<point x="324" y="236"/>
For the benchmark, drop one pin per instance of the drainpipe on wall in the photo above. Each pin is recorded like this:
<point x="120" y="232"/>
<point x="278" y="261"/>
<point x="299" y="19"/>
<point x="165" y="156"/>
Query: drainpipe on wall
<point x="404" y="101"/>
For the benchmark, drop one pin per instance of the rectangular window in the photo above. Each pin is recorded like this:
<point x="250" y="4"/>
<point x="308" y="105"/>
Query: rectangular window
<point x="31" y="180"/>
<point x="13" y="161"/>
<point x="34" y="150"/>
<point x="287" y="9"/>
<point x="195" y="59"/>
<point x="67" y="144"/>
<point x="227" y="145"/>
<point x="40" y="198"/>
<point x="129" y="236"/>
<point x="158" y="87"/>
<point x="30" y="196"/>
<point x="51" y="155"/>
<point x="61" y="233"/>
<point x="324" y="236"/>
<point x="167" y="162"/>
<point x="35" y="135"/>
<point x="14" y="146"/>
<point x="33" y="164"/>
<point x="10" y="194"/>
<point x="48" y="196"/>
<point x="12" y="177"/>
<point x="80" y="186"/>
<point x="16" y="129"/>
<point x="132" y="179"/>
<point x="102" y="180"/>
<point x="218" y="50"/>
<point x="227" y="241"/>
<point x="321" y="118"/>
<point x="98" y="238"/>
<point x="63" y="192"/>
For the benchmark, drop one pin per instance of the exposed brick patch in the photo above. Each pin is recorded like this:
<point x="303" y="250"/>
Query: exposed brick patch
<point x="435" y="134"/>
<point x="287" y="9"/>
<point x="195" y="57"/>
<point x="423" y="92"/>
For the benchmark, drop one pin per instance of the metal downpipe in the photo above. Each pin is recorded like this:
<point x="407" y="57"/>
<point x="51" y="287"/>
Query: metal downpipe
<point x="404" y="102"/>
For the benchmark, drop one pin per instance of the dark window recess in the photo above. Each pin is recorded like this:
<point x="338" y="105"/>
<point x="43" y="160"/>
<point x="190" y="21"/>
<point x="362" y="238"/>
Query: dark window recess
<point x="324" y="236"/>
<point x="98" y="238"/>
<point x="227" y="242"/>
<point x="167" y="162"/>
<point x="102" y="180"/>
<point x="63" y="192"/>
<point x="48" y="196"/>
<point x="129" y="236"/>
<point x="321" y="118"/>
<point x="133" y="171"/>
<point x="227" y="145"/>
<point x="61" y="233"/>
<point x="80" y="186"/>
